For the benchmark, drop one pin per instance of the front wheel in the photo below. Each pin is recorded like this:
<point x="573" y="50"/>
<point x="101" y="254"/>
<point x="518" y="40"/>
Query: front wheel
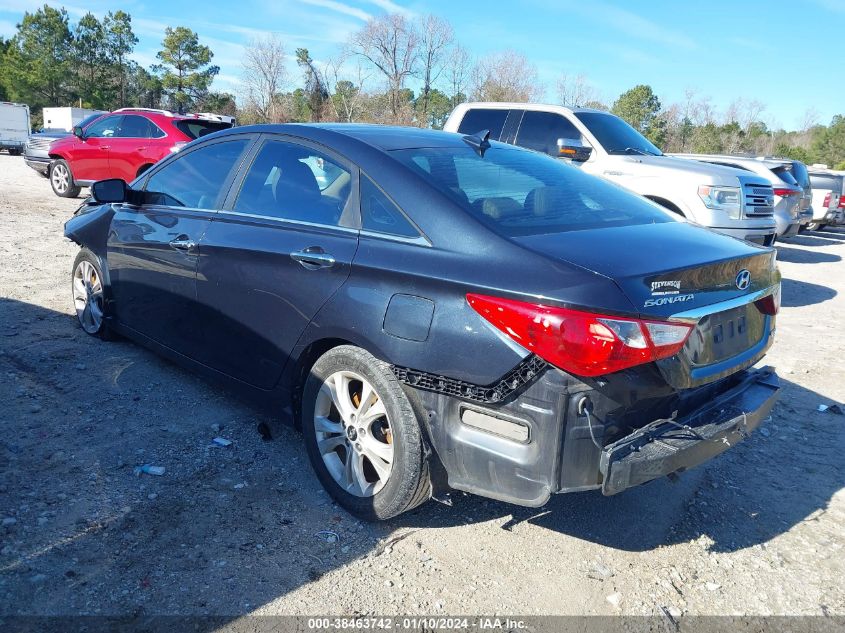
<point x="88" y="298"/>
<point x="362" y="435"/>
<point x="61" y="179"/>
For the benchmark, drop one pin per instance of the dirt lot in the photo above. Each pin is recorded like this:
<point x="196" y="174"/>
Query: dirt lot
<point x="234" y="531"/>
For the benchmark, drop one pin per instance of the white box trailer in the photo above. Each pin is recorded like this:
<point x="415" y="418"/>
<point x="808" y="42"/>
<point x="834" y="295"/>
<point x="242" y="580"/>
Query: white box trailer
<point x="64" y="118"/>
<point x="14" y="126"/>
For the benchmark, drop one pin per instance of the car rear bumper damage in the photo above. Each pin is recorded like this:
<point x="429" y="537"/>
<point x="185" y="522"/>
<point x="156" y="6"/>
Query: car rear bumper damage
<point x="544" y="439"/>
<point x="665" y="447"/>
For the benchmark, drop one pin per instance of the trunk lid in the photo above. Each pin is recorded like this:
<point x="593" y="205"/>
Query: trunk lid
<point x="664" y="268"/>
<point x="673" y="268"/>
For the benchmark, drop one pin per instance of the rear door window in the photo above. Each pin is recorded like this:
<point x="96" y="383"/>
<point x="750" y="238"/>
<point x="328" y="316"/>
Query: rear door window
<point x="541" y="130"/>
<point x="479" y="119"/>
<point x="289" y="181"/>
<point x="196" y="178"/>
<point x="134" y="126"/>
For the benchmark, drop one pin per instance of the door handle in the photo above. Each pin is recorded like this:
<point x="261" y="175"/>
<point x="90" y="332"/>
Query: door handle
<point x="183" y="243"/>
<point x="105" y="146"/>
<point x="313" y="258"/>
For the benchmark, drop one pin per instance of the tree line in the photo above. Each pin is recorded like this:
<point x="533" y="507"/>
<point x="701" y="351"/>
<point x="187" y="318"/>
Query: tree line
<point x="395" y="69"/>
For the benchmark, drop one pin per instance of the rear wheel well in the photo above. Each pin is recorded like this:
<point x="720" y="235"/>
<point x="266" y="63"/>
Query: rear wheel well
<point x="143" y="168"/>
<point x="663" y="202"/>
<point x="304" y="363"/>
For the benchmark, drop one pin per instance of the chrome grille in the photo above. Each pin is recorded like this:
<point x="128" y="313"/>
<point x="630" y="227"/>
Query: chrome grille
<point x="758" y="200"/>
<point x="40" y="142"/>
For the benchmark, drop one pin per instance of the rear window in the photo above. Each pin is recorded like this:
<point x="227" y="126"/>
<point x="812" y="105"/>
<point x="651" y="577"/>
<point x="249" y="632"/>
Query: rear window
<point x="824" y="182"/>
<point x="785" y="174"/>
<point x="800" y="173"/>
<point x="195" y="128"/>
<point x="516" y="192"/>
<point x="478" y="120"/>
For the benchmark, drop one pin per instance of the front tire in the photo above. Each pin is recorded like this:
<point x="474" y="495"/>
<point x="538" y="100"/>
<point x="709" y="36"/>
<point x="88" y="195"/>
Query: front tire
<point x="362" y="435"/>
<point x="87" y="287"/>
<point x="61" y="179"/>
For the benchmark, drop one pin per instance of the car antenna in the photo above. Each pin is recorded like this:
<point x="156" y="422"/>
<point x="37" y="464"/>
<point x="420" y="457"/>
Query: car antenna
<point x="480" y="141"/>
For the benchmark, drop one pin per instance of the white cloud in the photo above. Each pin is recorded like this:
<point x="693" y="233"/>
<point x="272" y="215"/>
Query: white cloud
<point x="624" y="21"/>
<point x="340" y="7"/>
<point x="391" y="7"/>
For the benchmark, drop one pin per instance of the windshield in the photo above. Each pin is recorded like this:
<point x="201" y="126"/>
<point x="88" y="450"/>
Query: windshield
<point x="518" y="192"/>
<point x="615" y="135"/>
<point x="195" y="128"/>
<point x="89" y="119"/>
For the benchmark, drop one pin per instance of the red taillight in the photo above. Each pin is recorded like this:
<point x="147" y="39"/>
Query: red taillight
<point x="582" y="343"/>
<point x="770" y="304"/>
<point x="842" y="202"/>
<point x="783" y="193"/>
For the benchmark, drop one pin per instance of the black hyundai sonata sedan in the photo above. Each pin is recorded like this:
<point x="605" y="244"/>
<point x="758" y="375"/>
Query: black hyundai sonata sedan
<point x="436" y="311"/>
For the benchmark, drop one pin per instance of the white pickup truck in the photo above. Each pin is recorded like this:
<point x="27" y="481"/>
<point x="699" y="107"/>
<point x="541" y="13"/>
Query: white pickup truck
<point x="727" y="200"/>
<point x="14" y="126"/>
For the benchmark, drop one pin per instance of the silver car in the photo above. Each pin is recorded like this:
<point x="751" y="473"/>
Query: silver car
<point x="788" y="193"/>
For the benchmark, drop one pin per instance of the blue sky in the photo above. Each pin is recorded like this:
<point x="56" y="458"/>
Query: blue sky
<point x="775" y="52"/>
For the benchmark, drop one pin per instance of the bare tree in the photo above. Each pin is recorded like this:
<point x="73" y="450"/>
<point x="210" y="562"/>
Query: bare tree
<point x="744" y="113"/>
<point x="391" y="44"/>
<point x="810" y="119"/>
<point x="436" y="36"/>
<point x="264" y="77"/>
<point x="575" y="90"/>
<point x="505" y="76"/>
<point x="458" y="68"/>
<point x="348" y="97"/>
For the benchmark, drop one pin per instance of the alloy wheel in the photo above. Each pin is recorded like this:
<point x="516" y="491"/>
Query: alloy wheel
<point x="354" y="436"/>
<point x="60" y="177"/>
<point x="88" y="297"/>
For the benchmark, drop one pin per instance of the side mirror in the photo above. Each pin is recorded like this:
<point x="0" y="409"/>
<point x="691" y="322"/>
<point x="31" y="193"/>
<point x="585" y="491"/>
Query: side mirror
<point x="77" y="132"/>
<point x="573" y="149"/>
<point x="111" y="190"/>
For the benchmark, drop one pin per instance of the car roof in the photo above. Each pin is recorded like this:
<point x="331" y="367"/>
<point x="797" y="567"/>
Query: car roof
<point x="515" y="105"/>
<point x="385" y="137"/>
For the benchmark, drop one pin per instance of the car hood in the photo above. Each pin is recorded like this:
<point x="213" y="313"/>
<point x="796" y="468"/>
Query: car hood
<point x="699" y="172"/>
<point x="664" y="268"/>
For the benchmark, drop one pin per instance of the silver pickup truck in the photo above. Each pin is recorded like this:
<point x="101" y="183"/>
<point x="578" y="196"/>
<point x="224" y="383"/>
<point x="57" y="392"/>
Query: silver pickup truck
<point x="731" y="201"/>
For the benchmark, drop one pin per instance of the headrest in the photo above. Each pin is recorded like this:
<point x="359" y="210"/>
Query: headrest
<point x="498" y="208"/>
<point x="545" y="200"/>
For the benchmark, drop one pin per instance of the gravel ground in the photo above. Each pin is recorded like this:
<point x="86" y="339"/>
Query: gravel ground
<point x="234" y="531"/>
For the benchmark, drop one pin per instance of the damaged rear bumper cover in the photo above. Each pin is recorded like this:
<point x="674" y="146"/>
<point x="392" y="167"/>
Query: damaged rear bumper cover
<point x="665" y="447"/>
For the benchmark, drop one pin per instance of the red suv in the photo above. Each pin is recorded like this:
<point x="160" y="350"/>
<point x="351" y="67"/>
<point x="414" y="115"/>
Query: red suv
<point x="123" y="144"/>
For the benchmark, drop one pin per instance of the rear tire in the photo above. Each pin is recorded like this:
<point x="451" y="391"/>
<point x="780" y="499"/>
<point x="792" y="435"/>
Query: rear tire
<point x="362" y="436"/>
<point x="61" y="179"/>
<point x="14" y="152"/>
<point x="142" y="169"/>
